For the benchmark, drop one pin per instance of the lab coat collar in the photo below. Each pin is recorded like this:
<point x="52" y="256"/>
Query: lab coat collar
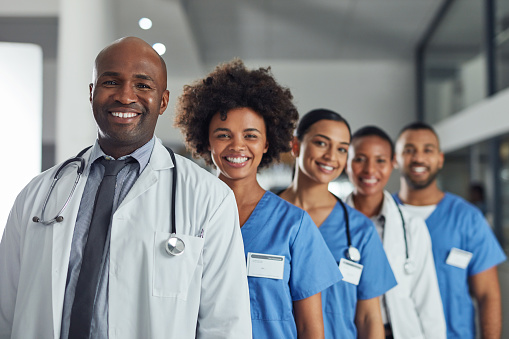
<point x="160" y="160"/>
<point x="394" y="237"/>
<point x="393" y="224"/>
<point x="388" y="205"/>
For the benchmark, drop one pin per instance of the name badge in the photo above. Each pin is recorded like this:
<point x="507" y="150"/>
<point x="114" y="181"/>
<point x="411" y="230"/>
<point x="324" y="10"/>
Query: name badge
<point x="458" y="258"/>
<point x="351" y="271"/>
<point x="265" y="265"/>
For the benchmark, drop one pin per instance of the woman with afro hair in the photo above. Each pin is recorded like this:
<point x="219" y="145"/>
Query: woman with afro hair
<point x="241" y="120"/>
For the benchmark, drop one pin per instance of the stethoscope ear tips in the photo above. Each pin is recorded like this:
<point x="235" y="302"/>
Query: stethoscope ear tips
<point x="57" y="219"/>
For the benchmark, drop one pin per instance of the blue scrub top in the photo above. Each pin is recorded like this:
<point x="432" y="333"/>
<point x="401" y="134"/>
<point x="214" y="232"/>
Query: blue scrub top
<point x="277" y="227"/>
<point x="457" y="223"/>
<point x="339" y="301"/>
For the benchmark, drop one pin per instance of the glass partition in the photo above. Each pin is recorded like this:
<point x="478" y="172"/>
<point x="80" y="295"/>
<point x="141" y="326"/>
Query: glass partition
<point x="454" y="62"/>
<point x="504" y="184"/>
<point x="502" y="43"/>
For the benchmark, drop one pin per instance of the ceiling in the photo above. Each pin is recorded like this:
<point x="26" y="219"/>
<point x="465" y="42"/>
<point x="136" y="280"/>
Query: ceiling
<point x="308" y="30"/>
<point x="205" y="32"/>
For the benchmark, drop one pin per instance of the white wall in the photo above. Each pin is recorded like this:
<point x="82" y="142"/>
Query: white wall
<point x="481" y="121"/>
<point x="21" y="132"/>
<point x="369" y="92"/>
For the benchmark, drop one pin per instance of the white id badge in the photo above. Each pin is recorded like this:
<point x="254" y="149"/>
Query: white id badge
<point x="351" y="271"/>
<point x="458" y="258"/>
<point x="265" y="265"/>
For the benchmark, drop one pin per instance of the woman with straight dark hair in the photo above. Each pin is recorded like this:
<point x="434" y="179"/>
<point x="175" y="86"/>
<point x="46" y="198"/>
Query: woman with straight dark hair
<point x="351" y="308"/>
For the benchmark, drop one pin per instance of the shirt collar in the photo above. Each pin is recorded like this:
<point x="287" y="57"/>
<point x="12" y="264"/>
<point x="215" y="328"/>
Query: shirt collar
<point x="141" y="155"/>
<point x="380" y="218"/>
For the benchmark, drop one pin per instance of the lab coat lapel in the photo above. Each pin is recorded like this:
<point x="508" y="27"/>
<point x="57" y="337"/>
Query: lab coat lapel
<point x="63" y="232"/>
<point x="393" y="231"/>
<point x="159" y="160"/>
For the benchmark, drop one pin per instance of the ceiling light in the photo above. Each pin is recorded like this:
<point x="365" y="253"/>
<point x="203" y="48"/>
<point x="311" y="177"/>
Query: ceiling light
<point x="145" y="23"/>
<point x="160" y="48"/>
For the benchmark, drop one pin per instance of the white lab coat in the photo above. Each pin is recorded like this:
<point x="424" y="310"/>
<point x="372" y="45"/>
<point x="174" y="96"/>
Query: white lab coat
<point x="414" y="305"/>
<point x="203" y="293"/>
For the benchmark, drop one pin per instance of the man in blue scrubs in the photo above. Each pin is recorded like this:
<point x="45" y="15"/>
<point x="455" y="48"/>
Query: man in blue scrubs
<point x="465" y="250"/>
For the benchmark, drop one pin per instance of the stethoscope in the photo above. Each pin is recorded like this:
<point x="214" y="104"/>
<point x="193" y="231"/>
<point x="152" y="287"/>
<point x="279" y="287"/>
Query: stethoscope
<point x="174" y="245"/>
<point x="353" y="254"/>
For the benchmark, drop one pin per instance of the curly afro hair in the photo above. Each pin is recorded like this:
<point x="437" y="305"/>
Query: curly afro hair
<point x="231" y="85"/>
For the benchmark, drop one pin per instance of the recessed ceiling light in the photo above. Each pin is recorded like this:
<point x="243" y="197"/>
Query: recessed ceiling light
<point x="145" y="23"/>
<point x="160" y="48"/>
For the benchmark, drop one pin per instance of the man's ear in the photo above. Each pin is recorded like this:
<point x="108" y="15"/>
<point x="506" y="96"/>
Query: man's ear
<point x="90" y="89"/>
<point x="395" y="164"/>
<point x="441" y="160"/>
<point x="164" y="101"/>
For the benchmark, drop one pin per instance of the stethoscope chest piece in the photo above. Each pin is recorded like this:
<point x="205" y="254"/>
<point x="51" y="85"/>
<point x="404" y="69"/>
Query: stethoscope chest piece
<point x="353" y="254"/>
<point x="409" y="266"/>
<point x="174" y="245"/>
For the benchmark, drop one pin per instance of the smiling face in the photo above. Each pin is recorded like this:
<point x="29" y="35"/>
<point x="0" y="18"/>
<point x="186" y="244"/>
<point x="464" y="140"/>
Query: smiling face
<point x="321" y="155"/>
<point x="369" y="164"/>
<point x="128" y="95"/>
<point x="238" y="143"/>
<point x="419" y="157"/>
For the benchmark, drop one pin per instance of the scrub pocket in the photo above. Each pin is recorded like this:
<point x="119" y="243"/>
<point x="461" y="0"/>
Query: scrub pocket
<point x="270" y="299"/>
<point x="173" y="274"/>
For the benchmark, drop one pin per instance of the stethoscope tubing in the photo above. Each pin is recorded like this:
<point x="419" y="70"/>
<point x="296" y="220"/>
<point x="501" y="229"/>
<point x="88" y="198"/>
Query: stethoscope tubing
<point x="80" y="170"/>
<point x="404" y="229"/>
<point x="347" y="225"/>
<point x="56" y="177"/>
<point x="173" y="192"/>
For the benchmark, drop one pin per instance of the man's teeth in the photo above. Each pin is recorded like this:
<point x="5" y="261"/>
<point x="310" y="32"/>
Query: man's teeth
<point x="236" y="160"/>
<point x="123" y="115"/>
<point x="325" y="167"/>
<point x="419" y="169"/>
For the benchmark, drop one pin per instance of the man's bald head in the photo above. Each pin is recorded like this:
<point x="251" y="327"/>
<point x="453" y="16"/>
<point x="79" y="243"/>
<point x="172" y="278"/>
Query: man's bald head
<point x="130" y="43"/>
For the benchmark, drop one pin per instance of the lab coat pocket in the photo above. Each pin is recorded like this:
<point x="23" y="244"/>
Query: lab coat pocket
<point x="172" y="275"/>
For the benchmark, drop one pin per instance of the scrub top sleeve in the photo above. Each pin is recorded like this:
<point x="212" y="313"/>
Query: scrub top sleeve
<point x="10" y="249"/>
<point x="224" y="301"/>
<point x="313" y="267"/>
<point x="377" y="276"/>
<point x="484" y="246"/>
